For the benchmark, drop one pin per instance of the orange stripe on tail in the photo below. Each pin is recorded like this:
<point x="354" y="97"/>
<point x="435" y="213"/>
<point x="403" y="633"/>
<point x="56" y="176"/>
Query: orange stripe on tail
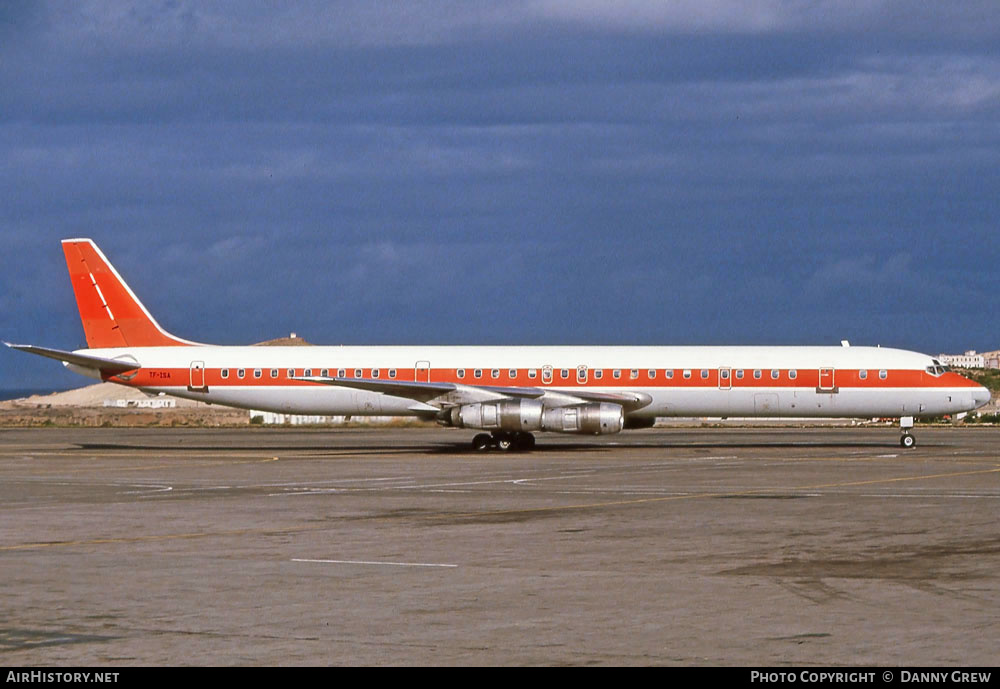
<point x="112" y="316"/>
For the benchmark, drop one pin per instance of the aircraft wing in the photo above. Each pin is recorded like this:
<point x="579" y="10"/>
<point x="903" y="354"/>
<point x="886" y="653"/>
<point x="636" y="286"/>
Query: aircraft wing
<point x="630" y="401"/>
<point x="397" y="388"/>
<point x="447" y="394"/>
<point x="107" y="366"/>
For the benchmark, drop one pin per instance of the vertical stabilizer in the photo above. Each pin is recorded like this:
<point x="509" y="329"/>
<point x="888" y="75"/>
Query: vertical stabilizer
<point x="112" y="316"/>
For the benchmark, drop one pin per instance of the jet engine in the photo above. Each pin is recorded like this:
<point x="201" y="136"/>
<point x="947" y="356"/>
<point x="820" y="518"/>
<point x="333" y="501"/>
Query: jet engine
<point x="502" y="415"/>
<point x="596" y="418"/>
<point x="531" y="415"/>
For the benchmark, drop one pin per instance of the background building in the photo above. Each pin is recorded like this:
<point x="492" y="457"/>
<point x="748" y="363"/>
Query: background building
<point x="968" y="360"/>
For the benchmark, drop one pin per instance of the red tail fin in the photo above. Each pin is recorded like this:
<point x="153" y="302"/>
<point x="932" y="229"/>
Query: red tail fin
<point x="112" y="315"/>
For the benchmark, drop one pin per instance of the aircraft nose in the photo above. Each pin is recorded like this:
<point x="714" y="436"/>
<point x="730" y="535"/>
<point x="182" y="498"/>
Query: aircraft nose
<point x="980" y="396"/>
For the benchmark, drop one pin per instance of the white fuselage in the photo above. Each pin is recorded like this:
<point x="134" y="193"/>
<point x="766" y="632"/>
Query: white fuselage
<point x="679" y="381"/>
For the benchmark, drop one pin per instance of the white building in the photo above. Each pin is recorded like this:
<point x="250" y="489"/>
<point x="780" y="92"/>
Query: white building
<point x="968" y="360"/>
<point x="152" y="403"/>
<point x="270" y="417"/>
<point x="992" y="359"/>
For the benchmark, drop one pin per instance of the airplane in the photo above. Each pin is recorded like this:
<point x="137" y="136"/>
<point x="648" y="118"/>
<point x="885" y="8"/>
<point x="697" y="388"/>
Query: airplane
<point x="508" y="392"/>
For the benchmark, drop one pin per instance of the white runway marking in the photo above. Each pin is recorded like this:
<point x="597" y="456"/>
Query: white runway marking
<point x="146" y="490"/>
<point x="371" y="562"/>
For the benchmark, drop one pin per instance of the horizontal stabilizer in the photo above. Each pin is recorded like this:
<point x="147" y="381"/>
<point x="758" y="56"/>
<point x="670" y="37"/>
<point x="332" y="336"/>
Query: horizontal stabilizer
<point x="107" y="366"/>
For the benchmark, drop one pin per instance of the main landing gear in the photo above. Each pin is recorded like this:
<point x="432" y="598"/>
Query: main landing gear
<point x="906" y="440"/>
<point x="503" y="440"/>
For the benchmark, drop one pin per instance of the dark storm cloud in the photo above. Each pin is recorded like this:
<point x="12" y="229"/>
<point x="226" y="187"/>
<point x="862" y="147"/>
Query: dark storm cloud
<point x="529" y="172"/>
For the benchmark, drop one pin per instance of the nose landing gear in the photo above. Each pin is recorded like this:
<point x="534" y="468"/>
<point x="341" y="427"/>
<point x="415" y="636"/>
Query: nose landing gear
<point x="906" y="440"/>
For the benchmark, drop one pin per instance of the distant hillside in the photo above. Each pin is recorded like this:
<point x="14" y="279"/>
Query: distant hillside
<point x="987" y="377"/>
<point x="285" y="342"/>
<point x="89" y="396"/>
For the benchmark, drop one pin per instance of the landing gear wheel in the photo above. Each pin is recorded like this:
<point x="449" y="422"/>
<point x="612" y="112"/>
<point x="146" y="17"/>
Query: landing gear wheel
<point x="504" y="441"/>
<point x="908" y="441"/>
<point x="524" y="441"/>
<point x="482" y="442"/>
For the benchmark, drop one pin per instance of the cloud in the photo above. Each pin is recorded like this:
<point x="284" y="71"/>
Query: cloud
<point x="865" y="272"/>
<point x="532" y="171"/>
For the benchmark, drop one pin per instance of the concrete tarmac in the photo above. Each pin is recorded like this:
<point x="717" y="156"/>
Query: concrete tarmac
<point x="760" y="547"/>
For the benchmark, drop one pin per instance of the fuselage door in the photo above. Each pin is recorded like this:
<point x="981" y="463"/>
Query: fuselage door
<point x="546" y="374"/>
<point x="422" y="372"/>
<point x="581" y="375"/>
<point x="196" y="381"/>
<point x="725" y="378"/>
<point x="826" y="380"/>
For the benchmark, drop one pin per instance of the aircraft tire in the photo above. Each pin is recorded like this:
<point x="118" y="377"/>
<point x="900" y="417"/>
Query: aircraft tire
<point x="504" y="441"/>
<point x="483" y="442"/>
<point x="524" y="441"/>
<point x="907" y="441"/>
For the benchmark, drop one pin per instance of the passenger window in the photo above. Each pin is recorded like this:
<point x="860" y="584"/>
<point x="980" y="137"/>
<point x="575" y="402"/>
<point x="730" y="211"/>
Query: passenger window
<point x="739" y="374"/>
<point x="863" y="374"/>
<point x="392" y="373"/>
<point x="358" y="372"/>
<point x="775" y="373"/>
<point x="793" y="374"/>
<point x="598" y="374"/>
<point x="564" y="373"/>
<point x="291" y="373"/>
<point x="532" y="373"/>
<point x="460" y="373"/>
<point x="225" y="373"/>
<point x="374" y="373"/>
<point x="725" y="374"/>
<point x="308" y="372"/>
<point x="341" y="373"/>
<point x="240" y="372"/>
<point x="756" y="373"/>
<point x="495" y="373"/>
<point x="634" y="373"/>
<point x="478" y="373"/>
<point x="687" y="373"/>
<point x="652" y="373"/>
<point x="617" y="373"/>
<point x="257" y="373"/>
<point x="325" y="372"/>
<point x="670" y="373"/>
<point x="512" y="373"/>
<point x="704" y="373"/>
<point x="883" y="374"/>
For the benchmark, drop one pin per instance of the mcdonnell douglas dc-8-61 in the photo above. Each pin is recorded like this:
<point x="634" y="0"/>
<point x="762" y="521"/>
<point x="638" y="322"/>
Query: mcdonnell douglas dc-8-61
<point x="507" y="392"/>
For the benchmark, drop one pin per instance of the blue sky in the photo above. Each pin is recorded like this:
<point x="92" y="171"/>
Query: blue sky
<point x="691" y="172"/>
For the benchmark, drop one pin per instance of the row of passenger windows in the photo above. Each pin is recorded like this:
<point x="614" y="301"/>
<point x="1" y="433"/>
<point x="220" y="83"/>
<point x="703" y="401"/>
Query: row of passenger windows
<point x="633" y="374"/>
<point x="308" y="372"/>
<point x="564" y="373"/>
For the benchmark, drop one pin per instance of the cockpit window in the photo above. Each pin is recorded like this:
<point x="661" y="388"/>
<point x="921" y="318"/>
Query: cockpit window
<point x="937" y="369"/>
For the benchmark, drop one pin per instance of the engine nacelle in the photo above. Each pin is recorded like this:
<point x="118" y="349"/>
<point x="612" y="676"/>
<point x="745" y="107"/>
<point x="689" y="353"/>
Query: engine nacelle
<point x="530" y="415"/>
<point x="598" y="419"/>
<point x="502" y="415"/>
